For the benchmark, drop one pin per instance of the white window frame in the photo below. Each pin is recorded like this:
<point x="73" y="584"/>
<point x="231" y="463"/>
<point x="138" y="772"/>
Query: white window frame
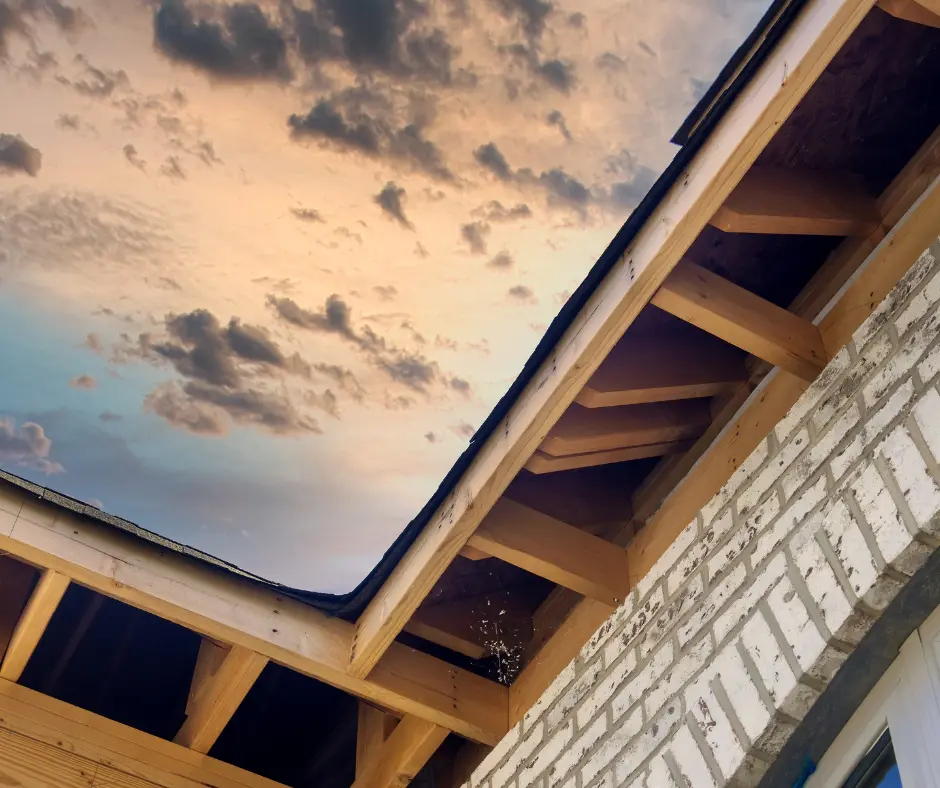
<point x="907" y="701"/>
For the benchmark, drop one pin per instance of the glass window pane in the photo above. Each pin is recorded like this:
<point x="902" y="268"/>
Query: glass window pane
<point x="878" y="769"/>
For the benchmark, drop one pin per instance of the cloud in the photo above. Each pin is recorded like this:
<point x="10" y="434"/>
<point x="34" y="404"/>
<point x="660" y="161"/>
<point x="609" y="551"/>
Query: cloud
<point x="94" y="82"/>
<point x="364" y="120"/>
<point x="558" y="73"/>
<point x="109" y="417"/>
<point x="17" y="155"/>
<point x="68" y="122"/>
<point x="17" y="16"/>
<point x="522" y="293"/>
<point x="475" y="234"/>
<point x="432" y="437"/>
<point x="173" y="168"/>
<point x="555" y="118"/>
<point x="27" y="446"/>
<point x="495" y="211"/>
<point x="531" y="14"/>
<point x="130" y="153"/>
<point x="421" y="250"/>
<point x="635" y="179"/>
<point x="386" y="292"/>
<point x="608" y="61"/>
<point x="390" y="201"/>
<point x="577" y="20"/>
<point x="490" y="157"/>
<point x="460" y="385"/>
<point x="170" y="403"/>
<point x="463" y="429"/>
<point x="502" y="261"/>
<point x="83" y="382"/>
<point x="235" y="41"/>
<point x="307" y="215"/>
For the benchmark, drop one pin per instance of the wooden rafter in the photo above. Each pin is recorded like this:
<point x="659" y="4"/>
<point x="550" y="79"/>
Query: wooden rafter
<point x="747" y="321"/>
<point x="921" y="12"/>
<point x="16" y="583"/>
<point x="769" y="403"/>
<point x="787" y="202"/>
<point x="680" y="365"/>
<point x="374" y="727"/>
<point x="554" y="550"/>
<point x="231" y="611"/>
<point x="584" y="430"/>
<point x="434" y="633"/>
<point x="403" y="754"/>
<point x="46" y="742"/>
<point x="540" y="462"/>
<point x="221" y="680"/>
<point x="781" y="81"/>
<point x="33" y="622"/>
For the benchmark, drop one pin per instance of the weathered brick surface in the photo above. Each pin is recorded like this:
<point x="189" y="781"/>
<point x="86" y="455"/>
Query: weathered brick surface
<point x="704" y="672"/>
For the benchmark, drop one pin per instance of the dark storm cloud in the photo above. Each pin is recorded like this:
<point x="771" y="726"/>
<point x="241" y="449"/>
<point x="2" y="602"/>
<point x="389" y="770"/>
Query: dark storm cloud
<point x="364" y="121"/>
<point x="460" y="385"/>
<point x="307" y="214"/>
<point x="95" y="82"/>
<point x="475" y="234"/>
<point x="502" y="261"/>
<point x="235" y="42"/>
<point x="490" y="157"/>
<point x="410" y="369"/>
<point x="555" y="118"/>
<point x="562" y="187"/>
<point x="531" y="14"/>
<point x="18" y="16"/>
<point x="26" y="445"/>
<point x="390" y="201"/>
<point x="577" y="20"/>
<point x="634" y="179"/>
<point x="558" y="73"/>
<point x="17" y="155"/>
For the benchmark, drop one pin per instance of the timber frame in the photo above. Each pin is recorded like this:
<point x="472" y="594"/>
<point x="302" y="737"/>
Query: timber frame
<point x="601" y="398"/>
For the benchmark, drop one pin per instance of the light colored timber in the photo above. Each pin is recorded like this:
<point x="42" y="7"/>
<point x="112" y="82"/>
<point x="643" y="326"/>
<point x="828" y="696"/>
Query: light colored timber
<point x="230" y="610"/>
<point x="540" y="462"/>
<point x="921" y="13"/>
<point x="403" y="754"/>
<point x="788" y="202"/>
<point x="29" y="629"/>
<point x="45" y="742"/>
<point x="780" y="82"/>
<point x="442" y="637"/>
<point x="219" y="686"/>
<point x="879" y="273"/>
<point x="374" y="727"/>
<point x="747" y="321"/>
<point x="584" y="430"/>
<point x="554" y="550"/>
<point x="472" y="554"/>
<point x="681" y="365"/>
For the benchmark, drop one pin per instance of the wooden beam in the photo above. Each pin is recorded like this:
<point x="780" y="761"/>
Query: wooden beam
<point x="540" y="462"/>
<point x="554" y="550"/>
<point x="769" y="403"/>
<point x="45" y="742"/>
<point x="375" y="726"/>
<point x="780" y="82"/>
<point x="681" y="365"/>
<point x="221" y="680"/>
<point x="913" y="11"/>
<point x="16" y="583"/>
<point x="403" y="754"/>
<point x="787" y="202"/>
<point x="472" y="554"/>
<point x="227" y="609"/>
<point x="443" y="637"/>
<point x="747" y="321"/>
<point x="584" y="430"/>
<point x="42" y="604"/>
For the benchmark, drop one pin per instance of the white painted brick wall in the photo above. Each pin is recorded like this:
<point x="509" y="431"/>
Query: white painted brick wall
<point x="703" y="673"/>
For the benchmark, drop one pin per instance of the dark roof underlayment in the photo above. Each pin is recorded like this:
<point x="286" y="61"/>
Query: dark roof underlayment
<point x="692" y="134"/>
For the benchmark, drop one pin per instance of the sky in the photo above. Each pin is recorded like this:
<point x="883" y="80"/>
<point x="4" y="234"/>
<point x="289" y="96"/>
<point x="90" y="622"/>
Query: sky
<point x="266" y="266"/>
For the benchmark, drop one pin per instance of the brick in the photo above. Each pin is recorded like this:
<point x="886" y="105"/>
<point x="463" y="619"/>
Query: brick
<point x="613" y="624"/>
<point x="666" y="621"/>
<point x="876" y="423"/>
<point x="772" y="667"/>
<point x="573" y="754"/>
<point x="688" y="664"/>
<point x="926" y="415"/>
<point x="820" y="579"/>
<point x="709" y="607"/>
<point x="635" y="689"/>
<point x="913" y="347"/>
<point x="850" y="547"/>
<point x="799" y="631"/>
<point x="555" y="689"/>
<point x="500" y="751"/>
<point x="930" y="365"/>
<point x="641" y="747"/>
<point x="519" y="755"/>
<point x="692" y="765"/>
<point x="666" y="560"/>
<point x="600" y="695"/>
<point x="560" y="711"/>
<point x="918" y="487"/>
<point x="741" y="607"/>
<point x="716" y="729"/>
<point x="827" y="664"/>
<point x="812" y="396"/>
<point x="635" y="626"/>
<point x="734" y="677"/>
<point x="548" y="754"/>
<point x="775" y="737"/>
<point x="751" y="773"/>
<point x="788" y="521"/>
<point x="919" y="306"/>
<point x="758" y="520"/>
<point x="801" y="471"/>
<point x="659" y="775"/>
<point x="836" y="395"/>
<point x="622" y="735"/>
<point x="692" y="560"/>
<point x="772" y="471"/>
<point x="883" y="518"/>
